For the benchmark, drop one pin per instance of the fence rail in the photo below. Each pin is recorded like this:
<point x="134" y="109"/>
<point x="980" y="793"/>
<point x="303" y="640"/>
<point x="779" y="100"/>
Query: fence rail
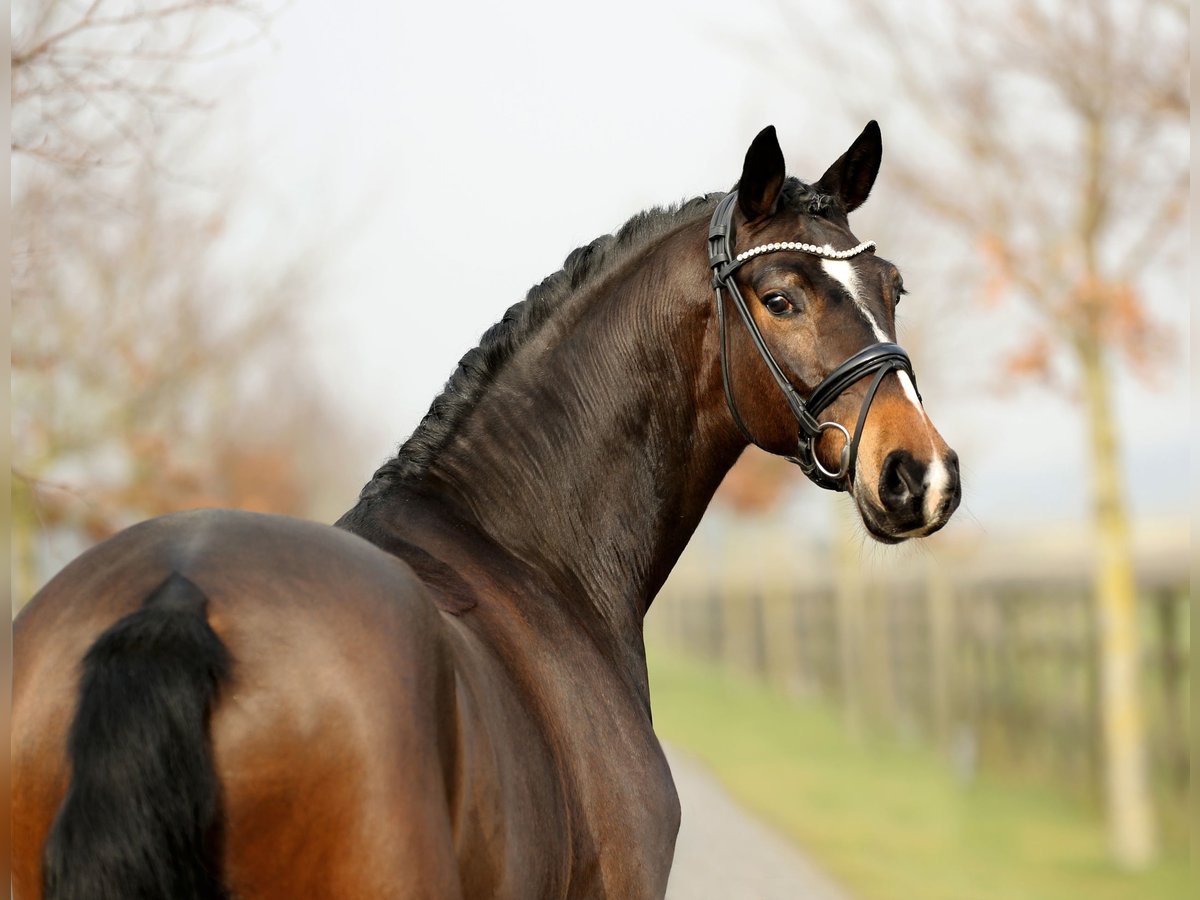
<point x="999" y="672"/>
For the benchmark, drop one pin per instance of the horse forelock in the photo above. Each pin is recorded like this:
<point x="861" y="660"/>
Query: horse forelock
<point x="806" y="199"/>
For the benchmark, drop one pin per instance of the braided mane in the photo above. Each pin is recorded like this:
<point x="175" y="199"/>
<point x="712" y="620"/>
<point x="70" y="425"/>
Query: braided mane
<point x="479" y="367"/>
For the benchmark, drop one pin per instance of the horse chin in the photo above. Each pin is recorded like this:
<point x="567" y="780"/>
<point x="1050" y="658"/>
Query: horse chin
<point x="878" y="533"/>
<point x="877" y="526"/>
<point x="876" y="522"/>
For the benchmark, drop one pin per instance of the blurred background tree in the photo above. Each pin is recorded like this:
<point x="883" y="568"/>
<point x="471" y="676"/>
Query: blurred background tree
<point x="1058" y="132"/>
<point x="153" y="368"/>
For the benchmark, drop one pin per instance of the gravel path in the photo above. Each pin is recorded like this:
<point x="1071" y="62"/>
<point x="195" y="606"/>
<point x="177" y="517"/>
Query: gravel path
<point x="724" y="854"/>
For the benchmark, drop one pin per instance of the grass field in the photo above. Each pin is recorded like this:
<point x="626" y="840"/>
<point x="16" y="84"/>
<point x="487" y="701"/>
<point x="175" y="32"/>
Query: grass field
<point x="891" y="822"/>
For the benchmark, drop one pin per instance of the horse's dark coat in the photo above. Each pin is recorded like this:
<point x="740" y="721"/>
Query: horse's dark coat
<point x="446" y="695"/>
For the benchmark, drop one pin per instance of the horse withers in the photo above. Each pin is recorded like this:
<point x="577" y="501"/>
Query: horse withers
<point x="445" y="694"/>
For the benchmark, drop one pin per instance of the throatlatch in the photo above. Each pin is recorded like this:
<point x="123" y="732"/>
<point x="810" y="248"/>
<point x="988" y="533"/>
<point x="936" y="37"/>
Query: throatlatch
<point x="879" y="358"/>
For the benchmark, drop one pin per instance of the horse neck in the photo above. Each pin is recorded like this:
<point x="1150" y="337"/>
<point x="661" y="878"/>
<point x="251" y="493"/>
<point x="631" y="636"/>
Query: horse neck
<point x="595" y="451"/>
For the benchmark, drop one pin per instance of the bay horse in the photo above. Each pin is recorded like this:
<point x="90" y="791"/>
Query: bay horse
<point x="444" y="695"/>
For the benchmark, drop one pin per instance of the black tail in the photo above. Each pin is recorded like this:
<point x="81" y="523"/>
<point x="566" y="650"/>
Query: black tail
<point x="141" y="817"/>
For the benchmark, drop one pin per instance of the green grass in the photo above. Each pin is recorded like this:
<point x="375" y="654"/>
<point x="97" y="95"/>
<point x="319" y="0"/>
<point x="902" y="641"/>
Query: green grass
<point x="890" y="822"/>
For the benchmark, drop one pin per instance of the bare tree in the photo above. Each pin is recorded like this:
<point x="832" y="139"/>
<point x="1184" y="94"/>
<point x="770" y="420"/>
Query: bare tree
<point x="153" y="364"/>
<point x="1055" y="138"/>
<point x="95" y="81"/>
<point x="152" y="369"/>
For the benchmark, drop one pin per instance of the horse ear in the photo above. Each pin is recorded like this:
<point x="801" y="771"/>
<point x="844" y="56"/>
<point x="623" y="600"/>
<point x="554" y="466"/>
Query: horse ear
<point x="762" y="176"/>
<point x="851" y="177"/>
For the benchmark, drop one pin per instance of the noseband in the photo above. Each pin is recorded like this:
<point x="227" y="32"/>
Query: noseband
<point x="879" y="358"/>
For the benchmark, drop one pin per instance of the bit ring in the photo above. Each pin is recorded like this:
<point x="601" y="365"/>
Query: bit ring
<point x="844" y="468"/>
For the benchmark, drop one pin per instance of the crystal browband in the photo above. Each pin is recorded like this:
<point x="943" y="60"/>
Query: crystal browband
<point x="825" y="252"/>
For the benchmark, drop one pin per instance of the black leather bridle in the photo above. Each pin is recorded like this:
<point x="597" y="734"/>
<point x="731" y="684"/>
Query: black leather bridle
<point x="879" y="358"/>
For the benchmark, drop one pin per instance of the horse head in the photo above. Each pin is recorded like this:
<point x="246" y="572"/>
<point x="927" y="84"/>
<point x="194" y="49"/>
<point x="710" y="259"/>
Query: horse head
<point x="814" y="374"/>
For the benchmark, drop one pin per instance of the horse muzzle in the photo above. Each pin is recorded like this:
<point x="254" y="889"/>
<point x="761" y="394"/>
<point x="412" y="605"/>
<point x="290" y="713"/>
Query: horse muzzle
<point x="913" y="498"/>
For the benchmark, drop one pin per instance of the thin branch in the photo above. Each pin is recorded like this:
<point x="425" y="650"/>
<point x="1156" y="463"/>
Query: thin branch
<point x="91" y="22"/>
<point x="1142" y="249"/>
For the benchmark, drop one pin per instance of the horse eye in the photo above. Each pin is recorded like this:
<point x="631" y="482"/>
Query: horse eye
<point x="777" y="304"/>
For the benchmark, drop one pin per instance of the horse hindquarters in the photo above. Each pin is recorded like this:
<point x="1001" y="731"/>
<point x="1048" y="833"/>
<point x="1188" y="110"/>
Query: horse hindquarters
<point x="140" y="818"/>
<point x="328" y="736"/>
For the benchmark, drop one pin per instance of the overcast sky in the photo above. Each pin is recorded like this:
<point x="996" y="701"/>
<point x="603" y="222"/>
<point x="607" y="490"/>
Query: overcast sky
<point x="448" y="156"/>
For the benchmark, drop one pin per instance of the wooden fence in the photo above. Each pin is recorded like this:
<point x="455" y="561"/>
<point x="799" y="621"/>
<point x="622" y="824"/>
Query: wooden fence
<point x="998" y="672"/>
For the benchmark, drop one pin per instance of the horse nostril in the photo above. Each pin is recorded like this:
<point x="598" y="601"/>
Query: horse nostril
<point x="902" y="482"/>
<point x="890" y="483"/>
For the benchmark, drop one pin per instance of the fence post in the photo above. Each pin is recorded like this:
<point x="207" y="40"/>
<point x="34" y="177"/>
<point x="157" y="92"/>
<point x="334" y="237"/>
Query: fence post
<point x="738" y="581"/>
<point x="1171" y="671"/>
<point x="778" y="630"/>
<point x="940" y="597"/>
<point x="848" y="594"/>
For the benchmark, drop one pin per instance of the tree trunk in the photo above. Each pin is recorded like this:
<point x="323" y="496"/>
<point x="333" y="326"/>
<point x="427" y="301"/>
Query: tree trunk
<point x="1130" y="820"/>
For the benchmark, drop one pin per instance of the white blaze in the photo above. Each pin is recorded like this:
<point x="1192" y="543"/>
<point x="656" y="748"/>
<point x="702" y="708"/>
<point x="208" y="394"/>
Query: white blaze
<point x="910" y="389"/>
<point x="841" y="271"/>
<point x="937" y="474"/>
